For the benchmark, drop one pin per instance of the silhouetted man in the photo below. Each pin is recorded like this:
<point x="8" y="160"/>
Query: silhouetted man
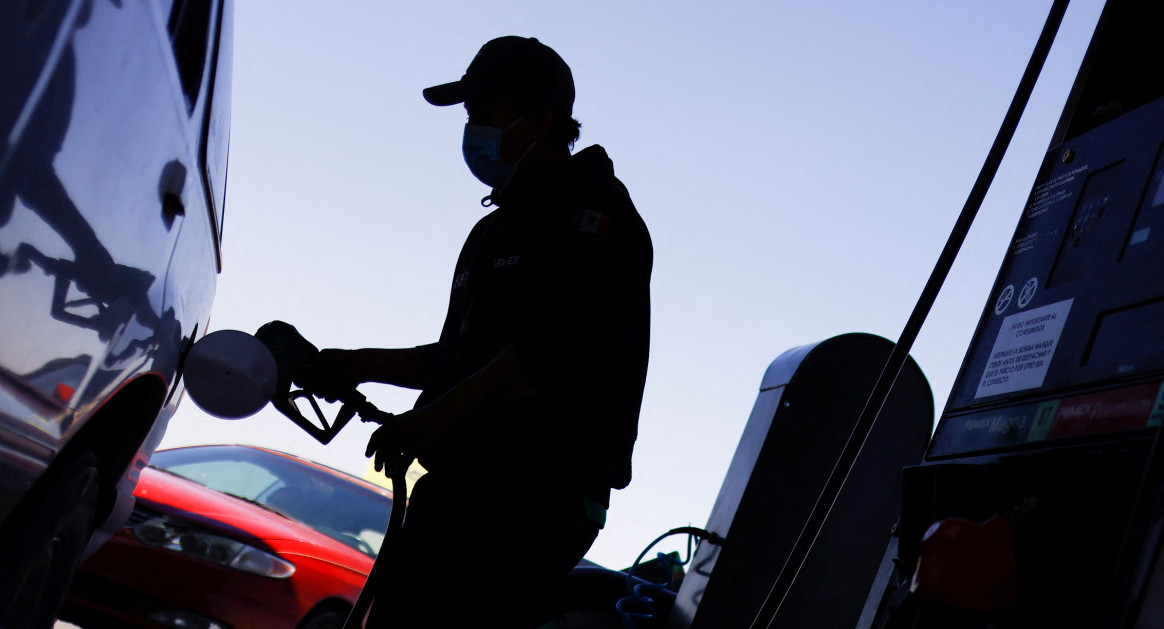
<point x="531" y="396"/>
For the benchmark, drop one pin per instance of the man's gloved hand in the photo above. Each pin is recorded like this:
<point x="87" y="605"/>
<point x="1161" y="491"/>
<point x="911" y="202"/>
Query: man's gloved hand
<point x="412" y="432"/>
<point x="388" y="455"/>
<point x="331" y="375"/>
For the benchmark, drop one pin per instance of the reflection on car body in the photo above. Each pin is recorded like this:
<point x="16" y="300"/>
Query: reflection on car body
<point x="235" y="536"/>
<point x="114" y="126"/>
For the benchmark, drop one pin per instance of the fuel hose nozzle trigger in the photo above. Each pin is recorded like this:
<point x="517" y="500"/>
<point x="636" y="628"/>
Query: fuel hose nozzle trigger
<point x="296" y="364"/>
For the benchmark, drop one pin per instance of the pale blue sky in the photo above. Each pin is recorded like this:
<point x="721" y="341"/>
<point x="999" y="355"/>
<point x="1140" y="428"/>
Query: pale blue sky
<point x="799" y="164"/>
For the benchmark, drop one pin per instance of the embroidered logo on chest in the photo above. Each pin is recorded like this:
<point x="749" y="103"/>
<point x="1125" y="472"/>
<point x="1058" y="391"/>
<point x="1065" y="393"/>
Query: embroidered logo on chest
<point x="505" y="261"/>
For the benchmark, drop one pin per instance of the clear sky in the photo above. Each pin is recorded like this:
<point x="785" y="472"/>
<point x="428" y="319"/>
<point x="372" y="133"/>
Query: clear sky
<point x="799" y="164"/>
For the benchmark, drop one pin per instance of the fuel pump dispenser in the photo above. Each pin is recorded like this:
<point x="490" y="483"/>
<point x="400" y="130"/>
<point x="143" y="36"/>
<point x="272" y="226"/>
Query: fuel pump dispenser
<point x="1038" y="502"/>
<point x="810" y="398"/>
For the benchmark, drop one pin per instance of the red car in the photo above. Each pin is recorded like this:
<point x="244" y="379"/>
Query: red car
<point x="232" y="537"/>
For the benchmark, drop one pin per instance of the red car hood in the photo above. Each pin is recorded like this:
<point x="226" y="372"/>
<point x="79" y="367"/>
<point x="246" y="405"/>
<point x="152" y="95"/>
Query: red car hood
<point x="198" y="504"/>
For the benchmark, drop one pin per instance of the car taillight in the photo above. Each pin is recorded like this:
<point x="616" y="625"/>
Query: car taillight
<point x="224" y="551"/>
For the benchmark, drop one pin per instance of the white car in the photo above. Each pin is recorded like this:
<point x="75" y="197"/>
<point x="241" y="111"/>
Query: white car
<point x="114" y="126"/>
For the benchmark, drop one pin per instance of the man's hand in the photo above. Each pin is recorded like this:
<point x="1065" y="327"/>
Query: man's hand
<point x="422" y="428"/>
<point x="413" y="432"/>
<point x="387" y="452"/>
<point x="333" y="374"/>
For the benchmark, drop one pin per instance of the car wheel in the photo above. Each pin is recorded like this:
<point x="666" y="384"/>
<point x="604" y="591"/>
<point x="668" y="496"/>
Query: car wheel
<point x="323" y="619"/>
<point x="49" y="535"/>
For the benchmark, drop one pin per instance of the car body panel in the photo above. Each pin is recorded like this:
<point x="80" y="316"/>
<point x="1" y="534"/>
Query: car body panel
<point x="109" y="223"/>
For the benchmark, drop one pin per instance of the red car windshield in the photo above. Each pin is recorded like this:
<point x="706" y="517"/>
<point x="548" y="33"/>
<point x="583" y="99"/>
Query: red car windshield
<point x="327" y="502"/>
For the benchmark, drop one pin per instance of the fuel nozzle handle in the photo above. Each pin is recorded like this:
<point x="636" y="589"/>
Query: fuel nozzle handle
<point x="295" y="361"/>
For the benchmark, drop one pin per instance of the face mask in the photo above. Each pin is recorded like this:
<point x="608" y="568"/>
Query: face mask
<point x="481" y="147"/>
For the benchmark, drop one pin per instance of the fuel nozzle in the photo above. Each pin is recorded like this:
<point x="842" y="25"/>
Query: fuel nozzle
<point x="294" y="356"/>
<point x="296" y="361"/>
<point x="232" y="374"/>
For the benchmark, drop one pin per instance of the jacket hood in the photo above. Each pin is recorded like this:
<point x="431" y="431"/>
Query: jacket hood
<point x="586" y="168"/>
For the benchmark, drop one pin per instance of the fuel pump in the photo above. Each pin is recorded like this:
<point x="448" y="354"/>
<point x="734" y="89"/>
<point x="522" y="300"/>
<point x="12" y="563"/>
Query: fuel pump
<point x="1039" y="500"/>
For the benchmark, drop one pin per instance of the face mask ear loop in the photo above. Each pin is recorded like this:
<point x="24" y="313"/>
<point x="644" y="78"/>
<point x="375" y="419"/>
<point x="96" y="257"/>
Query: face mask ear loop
<point x="512" y="124"/>
<point x="488" y="200"/>
<point x="527" y="150"/>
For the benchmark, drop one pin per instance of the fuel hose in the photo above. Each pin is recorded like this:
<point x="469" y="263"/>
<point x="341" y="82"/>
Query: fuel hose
<point x="380" y="568"/>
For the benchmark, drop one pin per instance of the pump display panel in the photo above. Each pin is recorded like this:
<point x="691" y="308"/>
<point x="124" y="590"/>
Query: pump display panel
<point x="1070" y="343"/>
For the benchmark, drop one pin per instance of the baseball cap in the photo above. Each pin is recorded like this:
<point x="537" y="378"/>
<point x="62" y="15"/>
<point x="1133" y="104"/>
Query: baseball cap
<point x="519" y="67"/>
